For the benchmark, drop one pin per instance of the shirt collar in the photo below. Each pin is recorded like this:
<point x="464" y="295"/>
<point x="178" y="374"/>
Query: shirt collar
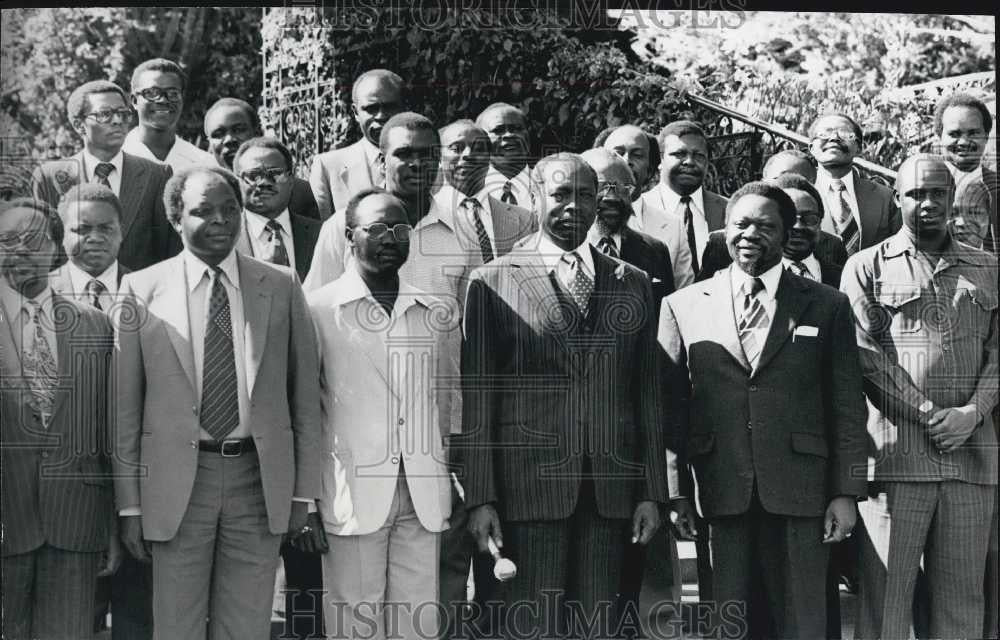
<point x="80" y="278"/>
<point x="958" y="175"/>
<point x="672" y="200"/>
<point x="741" y="280"/>
<point x="256" y="223"/>
<point x="823" y="180"/>
<point x="448" y="197"/>
<point x="351" y="288"/>
<point x="14" y="303"/>
<point x="496" y="180"/>
<point x="552" y="254"/>
<point x="195" y="269"/>
<point x="90" y="163"/>
<point x="437" y="213"/>
<point x="811" y="263"/>
<point x="594" y="237"/>
<point x="900" y="244"/>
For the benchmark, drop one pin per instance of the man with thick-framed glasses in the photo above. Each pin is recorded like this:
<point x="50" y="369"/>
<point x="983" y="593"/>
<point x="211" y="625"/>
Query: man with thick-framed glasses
<point x="862" y="212"/>
<point x="100" y="114"/>
<point x="158" y="98"/>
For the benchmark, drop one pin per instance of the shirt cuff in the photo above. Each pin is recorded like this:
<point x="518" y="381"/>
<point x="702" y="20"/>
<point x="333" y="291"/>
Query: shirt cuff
<point x="309" y="501"/>
<point x="130" y="511"/>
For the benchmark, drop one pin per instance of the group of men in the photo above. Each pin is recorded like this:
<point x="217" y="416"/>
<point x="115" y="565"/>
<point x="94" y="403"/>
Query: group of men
<point x="571" y="364"/>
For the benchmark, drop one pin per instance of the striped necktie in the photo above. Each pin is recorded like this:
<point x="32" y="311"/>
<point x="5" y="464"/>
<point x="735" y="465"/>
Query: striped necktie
<point x="39" y="365"/>
<point x="607" y="246"/>
<point x="847" y="226"/>
<point x="485" y="248"/>
<point x="753" y="322"/>
<point x="220" y="406"/>
<point x="802" y="270"/>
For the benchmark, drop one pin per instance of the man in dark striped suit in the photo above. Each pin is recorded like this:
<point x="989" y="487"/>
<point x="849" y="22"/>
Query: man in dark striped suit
<point x="59" y="530"/>
<point x="562" y="441"/>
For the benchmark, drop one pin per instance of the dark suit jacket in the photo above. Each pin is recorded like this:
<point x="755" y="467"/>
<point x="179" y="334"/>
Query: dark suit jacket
<point x="303" y="202"/>
<point x="880" y="217"/>
<point x="645" y="252"/>
<point x="147" y="237"/>
<point x="794" y="426"/>
<point x="57" y="481"/>
<point x="305" y="232"/>
<point x="544" y="383"/>
<point x="829" y="252"/>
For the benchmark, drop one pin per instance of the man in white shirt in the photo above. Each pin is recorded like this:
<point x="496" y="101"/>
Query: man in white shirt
<point x="509" y="178"/>
<point x="684" y="146"/>
<point x="336" y="175"/>
<point x="158" y="97"/>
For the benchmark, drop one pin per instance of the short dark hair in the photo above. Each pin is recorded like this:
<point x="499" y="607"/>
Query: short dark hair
<point x="769" y="190"/>
<point x="264" y="142"/>
<point x="222" y="103"/>
<point x="406" y="120"/>
<point x="465" y="122"/>
<point x="836" y="114"/>
<point x="795" y="181"/>
<point x="351" y="212"/>
<point x="77" y="102"/>
<point x="174" y="189"/>
<point x="681" y="128"/>
<point x="89" y="192"/>
<point x="798" y="154"/>
<point x="54" y="225"/>
<point x="162" y="65"/>
<point x="962" y="100"/>
<point x="383" y="75"/>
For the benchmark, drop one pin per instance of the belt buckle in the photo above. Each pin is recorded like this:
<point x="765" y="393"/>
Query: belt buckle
<point x="237" y="447"/>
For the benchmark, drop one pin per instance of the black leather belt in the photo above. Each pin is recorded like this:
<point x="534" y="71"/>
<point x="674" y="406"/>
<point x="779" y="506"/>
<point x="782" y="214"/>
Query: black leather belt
<point x="228" y="448"/>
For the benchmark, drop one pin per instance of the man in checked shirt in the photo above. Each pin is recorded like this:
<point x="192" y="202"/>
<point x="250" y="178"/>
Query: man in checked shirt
<point x="926" y="315"/>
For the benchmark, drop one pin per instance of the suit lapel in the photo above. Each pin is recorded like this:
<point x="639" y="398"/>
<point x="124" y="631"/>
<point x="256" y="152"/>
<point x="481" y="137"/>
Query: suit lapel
<point x="243" y="243"/>
<point x="256" y="312"/>
<point x="864" y="194"/>
<point x="300" y="240"/>
<point x="357" y="175"/>
<point x="60" y="282"/>
<point x="133" y="186"/>
<point x="533" y="280"/>
<point x="723" y="316"/>
<point x="605" y="287"/>
<point x="715" y="216"/>
<point x="66" y="319"/>
<point x="791" y="300"/>
<point x="172" y="308"/>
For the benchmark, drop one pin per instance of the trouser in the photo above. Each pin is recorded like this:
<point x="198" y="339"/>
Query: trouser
<point x="132" y="600"/>
<point x="456" y="552"/>
<point x="303" y="594"/>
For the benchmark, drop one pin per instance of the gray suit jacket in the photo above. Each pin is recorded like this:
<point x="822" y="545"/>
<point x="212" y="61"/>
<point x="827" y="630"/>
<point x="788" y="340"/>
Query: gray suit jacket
<point x="337" y="175"/>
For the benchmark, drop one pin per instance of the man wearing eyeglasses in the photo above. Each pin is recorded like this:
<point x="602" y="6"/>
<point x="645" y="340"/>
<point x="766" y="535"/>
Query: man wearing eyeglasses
<point x="158" y="97"/>
<point x="100" y="115"/>
<point x="270" y="231"/>
<point x="862" y="212"/>
<point x="386" y="367"/>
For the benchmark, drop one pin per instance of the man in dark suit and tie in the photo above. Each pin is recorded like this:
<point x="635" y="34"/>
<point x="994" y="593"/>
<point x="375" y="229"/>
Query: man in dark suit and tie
<point x="59" y="531"/>
<point x="270" y="232"/>
<point x="680" y="194"/>
<point x="562" y="442"/>
<point x="810" y="252"/>
<point x="218" y="448"/>
<point x="862" y="212"/>
<point x="766" y="405"/>
<point x="100" y="114"/>
<point x="230" y="122"/>
<point x="336" y="175"/>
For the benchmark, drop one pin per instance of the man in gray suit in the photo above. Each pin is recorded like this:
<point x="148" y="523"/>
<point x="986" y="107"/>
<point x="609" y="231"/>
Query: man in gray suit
<point x="59" y="531"/>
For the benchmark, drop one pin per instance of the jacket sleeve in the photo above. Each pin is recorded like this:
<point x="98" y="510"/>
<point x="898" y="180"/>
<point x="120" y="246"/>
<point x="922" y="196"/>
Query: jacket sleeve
<point x="319" y="181"/>
<point x="846" y="411"/>
<point x="304" y="395"/>
<point x="677" y="394"/>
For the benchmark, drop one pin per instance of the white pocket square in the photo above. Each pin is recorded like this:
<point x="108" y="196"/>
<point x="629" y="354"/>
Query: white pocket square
<point x="804" y="330"/>
<point x="655" y="280"/>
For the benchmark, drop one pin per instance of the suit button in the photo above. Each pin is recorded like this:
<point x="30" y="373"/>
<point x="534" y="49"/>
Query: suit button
<point x="36" y="416"/>
<point x="194" y="444"/>
<point x="753" y="387"/>
<point x="45" y="454"/>
<point x="401" y="421"/>
<point x="395" y="460"/>
<point x="749" y="425"/>
<point x="194" y="410"/>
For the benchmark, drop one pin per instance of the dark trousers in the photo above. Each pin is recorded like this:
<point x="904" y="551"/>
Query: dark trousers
<point x="456" y="551"/>
<point x="132" y="600"/>
<point x="769" y="575"/>
<point x="303" y="594"/>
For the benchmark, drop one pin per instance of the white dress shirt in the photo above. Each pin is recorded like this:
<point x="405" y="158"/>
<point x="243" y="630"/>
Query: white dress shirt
<point x="742" y="283"/>
<point x="451" y="199"/>
<point x="17" y="317"/>
<point x="182" y="154"/>
<point x="670" y="202"/>
<point x="829" y="195"/>
<point x="811" y="264"/>
<point x="259" y="235"/>
<point x="552" y="258"/>
<point x="79" y="279"/>
<point x="520" y="186"/>
<point x="114" y="178"/>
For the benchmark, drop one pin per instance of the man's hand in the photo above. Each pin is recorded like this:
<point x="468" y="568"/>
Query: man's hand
<point x="112" y="558"/>
<point x="645" y="521"/>
<point x="841" y="515"/>
<point x="297" y="521"/>
<point x="314" y="540"/>
<point x="131" y="534"/>
<point x="483" y="523"/>
<point x="684" y="518"/>
<point x="950" y="428"/>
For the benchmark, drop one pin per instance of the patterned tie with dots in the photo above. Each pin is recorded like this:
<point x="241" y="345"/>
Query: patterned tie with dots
<point x="220" y="407"/>
<point x="581" y="285"/>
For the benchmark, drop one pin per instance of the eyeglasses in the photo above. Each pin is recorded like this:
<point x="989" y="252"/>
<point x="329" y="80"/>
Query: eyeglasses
<point x="623" y="190"/>
<point x="108" y="115"/>
<point x="273" y="174"/>
<point x="809" y="219"/>
<point x="156" y="94"/>
<point x="30" y="240"/>
<point x="401" y="232"/>
<point x="847" y="135"/>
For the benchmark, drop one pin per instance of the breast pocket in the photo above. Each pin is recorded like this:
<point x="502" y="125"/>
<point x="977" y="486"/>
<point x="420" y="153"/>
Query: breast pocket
<point x="902" y="307"/>
<point x="974" y="311"/>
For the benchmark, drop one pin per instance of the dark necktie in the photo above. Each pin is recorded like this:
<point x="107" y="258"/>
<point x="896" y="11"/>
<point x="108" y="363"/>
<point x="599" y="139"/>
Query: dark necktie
<point x="102" y="171"/>
<point x="847" y="227"/>
<point x="472" y="205"/>
<point x="220" y="405"/>
<point x="94" y="290"/>
<point x="508" y="194"/>
<point x="802" y="270"/>
<point x="689" y="229"/>
<point x="278" y="254"/>
<point x="752" y="320"/>
<point x="607" y="247"/>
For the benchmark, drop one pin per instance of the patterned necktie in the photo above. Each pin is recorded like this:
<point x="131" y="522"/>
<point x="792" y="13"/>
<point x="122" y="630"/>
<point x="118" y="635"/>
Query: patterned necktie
<point x="607" y="246"/>
<point x="102" y="171"/>
<point x="689" y="228"/>
<point x="472" y="205"/>
<point x="581" y="285"/>
<point x="753" y="320"/>
<point x="220" y="406"/>
<point x="40" y="369"/>
<point x="802" y="270"/>
<point x="508" y="194"/>
<point x="94" y="290"/>
<point x="278" y="254"/>
<point x="847" y="227"/>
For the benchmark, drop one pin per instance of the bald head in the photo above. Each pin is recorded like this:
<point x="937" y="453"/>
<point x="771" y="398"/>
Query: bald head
<point x="605" y="162"/>
<point x="633" y="144"/>
<point x="789" y="161"/>
<point x="924" y="167"/>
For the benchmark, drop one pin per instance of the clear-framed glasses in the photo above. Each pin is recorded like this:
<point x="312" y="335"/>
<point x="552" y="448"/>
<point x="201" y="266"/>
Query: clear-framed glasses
<point x="809" y="219"/>
<point x="623" y="190"/>
<point x="156" y="94"/>
<point x="271" y="174"/>
<point x="108" y="115"/>
<point x="30" y="239"/>
<point x="377" y="230"/>
<point x="847" y="135"/>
